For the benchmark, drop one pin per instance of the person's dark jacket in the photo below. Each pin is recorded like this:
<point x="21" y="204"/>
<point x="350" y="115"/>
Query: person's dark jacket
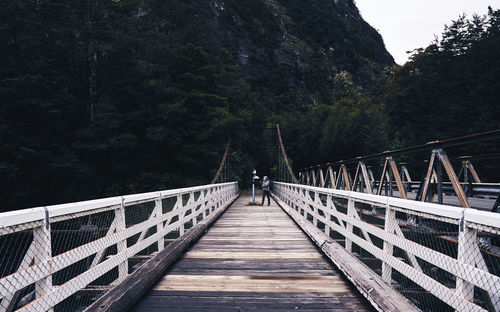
<point x="265" y="185"/>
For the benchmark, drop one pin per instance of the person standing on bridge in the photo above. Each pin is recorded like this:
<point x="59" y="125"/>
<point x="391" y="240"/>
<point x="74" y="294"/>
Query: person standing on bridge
<point x="265" y="191"/>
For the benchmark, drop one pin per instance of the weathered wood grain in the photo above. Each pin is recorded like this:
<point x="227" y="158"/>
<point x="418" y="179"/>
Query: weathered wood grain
<point x="254" y="258"/>
<point x="252" y="255"/>
<point x="263" y="283"/>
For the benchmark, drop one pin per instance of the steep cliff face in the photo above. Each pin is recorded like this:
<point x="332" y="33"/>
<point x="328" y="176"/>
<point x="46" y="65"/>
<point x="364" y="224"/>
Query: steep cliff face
<point x="291" y="50"/>
<point x="288" y="50"/>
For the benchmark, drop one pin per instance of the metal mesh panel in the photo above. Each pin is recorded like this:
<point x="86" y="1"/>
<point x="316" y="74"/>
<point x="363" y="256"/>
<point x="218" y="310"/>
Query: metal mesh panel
<point x="16" y="253"/>
<point x="64" y="257"/>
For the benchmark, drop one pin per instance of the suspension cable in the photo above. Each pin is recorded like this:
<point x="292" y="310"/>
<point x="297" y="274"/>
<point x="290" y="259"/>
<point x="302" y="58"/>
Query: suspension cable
<point x="469" y="139"/>
<point x="285" y="157"/>
<point x="222" y="163"/>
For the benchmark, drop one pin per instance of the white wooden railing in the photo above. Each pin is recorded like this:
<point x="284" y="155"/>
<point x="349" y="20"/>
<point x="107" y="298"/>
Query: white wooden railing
<point x="63" y="257"/>
<point x="440" y="257"/>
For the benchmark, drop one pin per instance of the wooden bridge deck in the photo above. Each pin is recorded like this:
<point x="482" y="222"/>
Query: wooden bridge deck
<point x="254" y="258"/>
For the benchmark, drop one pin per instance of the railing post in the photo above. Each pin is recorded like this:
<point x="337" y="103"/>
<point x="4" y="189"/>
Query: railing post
<point x="390" y="219"/>
<point x="190" y="201"/>
<point x="209" y="198"/>
<point x="159" y="226"/>
<point x="180" y="206"/>
<point x="217" y="198"/>
<point x="214" y="199"/>
<point x="203" y="201"/>
<point x="205" y="204"/>
<point x="213" y="193"/>
<point x="121" y="245"/>
<point x="194" y="203"/>
<point x="350" y="207"/>
<point x="43" y="252"/>
<point x="329" y="203"/>
<point x="467" y="237"/>
<point x="316" y="209"/>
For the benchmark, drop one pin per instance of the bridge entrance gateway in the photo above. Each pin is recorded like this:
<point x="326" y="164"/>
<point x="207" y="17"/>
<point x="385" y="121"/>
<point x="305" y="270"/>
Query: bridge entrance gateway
<point x="334" y="238"/>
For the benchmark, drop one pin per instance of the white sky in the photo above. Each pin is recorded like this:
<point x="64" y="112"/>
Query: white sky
<point x="409" y="24"/>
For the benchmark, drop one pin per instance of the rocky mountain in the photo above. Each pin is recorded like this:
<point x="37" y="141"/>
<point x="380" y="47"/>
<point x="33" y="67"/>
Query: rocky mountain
<point x="292" y="49"/>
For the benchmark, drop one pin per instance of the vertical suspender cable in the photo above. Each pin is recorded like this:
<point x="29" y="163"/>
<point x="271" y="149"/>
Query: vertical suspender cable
<point x="222" y="163"/>
<point x="285" y="157"/>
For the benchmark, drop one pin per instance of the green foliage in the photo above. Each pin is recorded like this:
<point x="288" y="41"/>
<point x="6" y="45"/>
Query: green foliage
<point x="451" y="88"/>
<point x="448" y="89"/>
<point x="101" y="98"/>
<point x="352" y="125"/>
<point x="106" y="98"/>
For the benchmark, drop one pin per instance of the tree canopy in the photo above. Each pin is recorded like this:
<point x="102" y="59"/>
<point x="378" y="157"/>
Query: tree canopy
<point x="100" y="98"/>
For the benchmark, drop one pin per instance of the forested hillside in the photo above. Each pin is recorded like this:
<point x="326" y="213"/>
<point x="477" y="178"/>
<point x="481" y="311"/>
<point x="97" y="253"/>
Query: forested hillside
<point x="452" y="87"/>
<point x="449" y="89"/>
<point x="99" y="98"/>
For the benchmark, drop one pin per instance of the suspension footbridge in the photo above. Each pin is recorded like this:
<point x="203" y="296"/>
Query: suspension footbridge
<point x="334" y="238"/>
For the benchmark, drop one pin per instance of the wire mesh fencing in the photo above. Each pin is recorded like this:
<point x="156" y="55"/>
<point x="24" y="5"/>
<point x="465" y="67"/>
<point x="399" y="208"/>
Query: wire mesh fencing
<point x="64" y="257"/>
<point x="441" y="258"/>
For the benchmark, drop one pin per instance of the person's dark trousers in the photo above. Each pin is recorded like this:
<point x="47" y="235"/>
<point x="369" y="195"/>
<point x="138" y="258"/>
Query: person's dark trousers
<point x="264" y="194"/>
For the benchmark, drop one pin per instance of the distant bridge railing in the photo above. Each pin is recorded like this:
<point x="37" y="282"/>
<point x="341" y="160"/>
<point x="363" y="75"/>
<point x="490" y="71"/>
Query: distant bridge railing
<point x="442" y="258"/>
<point x="64" y="257"/>
<point x="464" y="185"/>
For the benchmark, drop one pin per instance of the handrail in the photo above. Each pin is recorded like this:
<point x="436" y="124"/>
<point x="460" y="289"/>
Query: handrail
<point x="28" y="215"/>
<point x="461" y="244"/>
<point x="92" y="245"/>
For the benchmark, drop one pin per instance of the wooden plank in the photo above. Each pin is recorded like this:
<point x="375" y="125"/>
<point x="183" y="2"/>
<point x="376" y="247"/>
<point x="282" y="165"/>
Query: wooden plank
<point x="290" y="283"/>
<point x="252" y="255"/>
<point x="255" y="248"/>
<point x="278" y="273"/>
<point x="255" y="239"/>
<point x="254" y="235"/>
<point x="253" y="259"/>
<point x="247" y="309"/>
<point x="259" y="242"/>
<point x="252" y="229"/>
<point x="308" y="297"/>
<point x="182" y="301"/>
<point x="263" y="265"/>
<point x="291" y="245"/>
<point x="245" y="301"/>
<point x="267" y="226"/>
<point x="256" y="245"/>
